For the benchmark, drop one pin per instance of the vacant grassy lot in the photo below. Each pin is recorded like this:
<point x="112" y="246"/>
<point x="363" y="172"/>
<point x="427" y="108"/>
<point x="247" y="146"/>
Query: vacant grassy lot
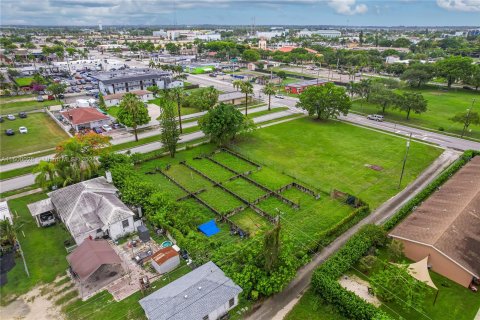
<point x="43" y="248"/>
<point x="24" y="82"/>
<point x="12" y="98"/>
<point x="334" y="155"/>
<point x="24" y="106"/>
<point x="442" y="105"/>
<point x="184" y="111"/>
<point x="43" y="133"/>
<point x="310" y="307"/>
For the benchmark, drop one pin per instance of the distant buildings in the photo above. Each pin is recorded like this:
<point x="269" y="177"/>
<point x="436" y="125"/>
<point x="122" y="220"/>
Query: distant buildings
<point x="134" y="79"/>
<point x="268" y="35"/>
<point x="321" y="33"/>
<point x="114" y="99"/>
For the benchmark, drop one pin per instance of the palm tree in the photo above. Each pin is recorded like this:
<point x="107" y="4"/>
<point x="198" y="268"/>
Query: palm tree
<point x="46" y="174"/>
<point x="178" y="94"/>
<point x="245" y="87"/>
<point x="151" y="64"/>
<point x="8" y="237"/>
<point x="269" y="90"/>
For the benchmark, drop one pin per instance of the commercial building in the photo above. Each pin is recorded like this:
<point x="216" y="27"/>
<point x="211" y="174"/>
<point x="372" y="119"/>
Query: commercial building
<point x="205" y="293"/>
<point x="209" y="37"/>
<point x="446" y="227"/>
<point x="321" y="33"/>
<point x="299" y="87"/>
<point x="134" y="79"/>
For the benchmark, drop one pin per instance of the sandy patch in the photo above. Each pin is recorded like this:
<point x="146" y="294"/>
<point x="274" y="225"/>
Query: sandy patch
<point x="37" y="304"/>
<point x="360" y="288"/>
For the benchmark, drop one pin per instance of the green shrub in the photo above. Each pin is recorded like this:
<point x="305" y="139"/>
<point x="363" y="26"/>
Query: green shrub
<point x="431" y="188"/>
<point x="324" y="280"/>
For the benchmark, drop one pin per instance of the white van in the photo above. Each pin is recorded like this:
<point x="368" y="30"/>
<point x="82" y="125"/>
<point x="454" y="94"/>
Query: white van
<point x="375" y="117"/>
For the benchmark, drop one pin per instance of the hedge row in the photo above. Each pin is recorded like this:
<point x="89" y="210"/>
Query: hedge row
<point x="325" y="278"/>
<point x="431" y="188"/>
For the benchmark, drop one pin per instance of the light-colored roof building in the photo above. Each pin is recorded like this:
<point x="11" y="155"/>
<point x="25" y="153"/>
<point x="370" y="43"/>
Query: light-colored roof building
<point x="204" y="293"/>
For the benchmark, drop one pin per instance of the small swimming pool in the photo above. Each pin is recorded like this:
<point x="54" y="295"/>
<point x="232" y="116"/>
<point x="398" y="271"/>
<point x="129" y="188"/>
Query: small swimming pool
<point x="166" y="244"/>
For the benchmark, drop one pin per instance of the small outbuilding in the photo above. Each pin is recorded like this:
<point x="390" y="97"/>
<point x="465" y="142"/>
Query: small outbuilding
<point x="165" y="260"/>
<point x="43" y="212"/>
<point x="85" y="118"/>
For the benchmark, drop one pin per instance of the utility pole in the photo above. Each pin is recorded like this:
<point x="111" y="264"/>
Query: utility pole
<point x="405" y="160"/>
<point x="467" y="121"/>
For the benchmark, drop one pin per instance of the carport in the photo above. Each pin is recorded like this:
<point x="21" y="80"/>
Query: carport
<point x="43" y="212"/>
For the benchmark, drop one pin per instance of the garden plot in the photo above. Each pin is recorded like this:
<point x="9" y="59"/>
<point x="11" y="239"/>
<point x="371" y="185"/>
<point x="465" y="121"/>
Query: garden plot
<point x="233" y="162"/>
<point x="220" y="200"/>
<point x="244" y="189"/>
<point x="211" y="169"/>
<point x="189" y="179"/>
<point x="250" y="221"/>
<point x="167" y="187"/>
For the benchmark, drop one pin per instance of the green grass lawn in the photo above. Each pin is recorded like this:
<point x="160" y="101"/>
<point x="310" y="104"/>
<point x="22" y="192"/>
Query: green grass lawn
<point x="23" y="106"/>
<point x="184" y="110"/>
<point x="43" y="248"/>
<point x="250" y="221"/>
<point x="453" y="302"/>
<point x="24" y="82"/>
<point x="442" y="105"/>
<point x="310" y="307"/>
<point x="333" y="154"/>
<point x="113" y="111"/>
<point x="16" y="172"/>
<point x="43" y="133"/>
<point x="13" y="98"/>
<point x="264" y="112"/>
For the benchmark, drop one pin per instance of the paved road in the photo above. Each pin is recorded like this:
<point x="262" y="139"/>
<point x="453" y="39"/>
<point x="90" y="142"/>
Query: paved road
<point x="423" y="135"/>
<point x="28" y="179"/>
<point x="278" y="306"/>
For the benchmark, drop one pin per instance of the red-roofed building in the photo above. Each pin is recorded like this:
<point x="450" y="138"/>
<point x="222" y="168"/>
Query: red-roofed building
<point x="290" y="48"/>
<point x="85" y="118"/>
<point x="165" y="260"/>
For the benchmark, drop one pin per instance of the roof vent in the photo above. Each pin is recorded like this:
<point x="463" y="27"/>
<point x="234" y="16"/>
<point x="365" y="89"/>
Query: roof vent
<point x="199" y="288"/>
<point x="186" y="296"/>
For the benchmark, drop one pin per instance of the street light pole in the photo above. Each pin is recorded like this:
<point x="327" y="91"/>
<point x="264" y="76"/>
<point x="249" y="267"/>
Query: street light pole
<point x="405" y="160"/>
<point x="466" y="124"/>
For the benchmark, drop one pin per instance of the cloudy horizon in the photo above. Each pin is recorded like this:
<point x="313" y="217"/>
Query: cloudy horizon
<point x="241" y="12"/>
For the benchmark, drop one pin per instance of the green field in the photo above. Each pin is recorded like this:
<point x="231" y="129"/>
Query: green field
<point x="24" y="82"/>
<point x="442" y="105"/>
<point x="14" y="107"/>
<point x="184" y="110"/>
<point x="43" y="133"/>
<point x="334" y="155"/>
<point x="310" y="307"/>
<point x="13" y="98"/>
<point x="43" y="248"/>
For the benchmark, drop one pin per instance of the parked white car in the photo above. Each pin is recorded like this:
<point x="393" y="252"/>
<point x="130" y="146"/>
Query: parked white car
<point x="10" y="117"/>
<point x="279" y="96"/>
<point x="106" y="128"/>
<point x="23" y="129"/>
<point x="375" y="117"/>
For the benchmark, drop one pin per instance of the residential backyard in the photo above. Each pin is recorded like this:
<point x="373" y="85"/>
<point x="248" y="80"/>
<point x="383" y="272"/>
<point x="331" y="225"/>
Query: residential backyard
<point x="442" y="105"/>
<point x="43" y="133"/>
<point x="43" y="248"/>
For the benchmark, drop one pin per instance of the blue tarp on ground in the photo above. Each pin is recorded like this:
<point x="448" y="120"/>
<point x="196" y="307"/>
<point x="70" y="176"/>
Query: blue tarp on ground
<point x="209" y="228"/>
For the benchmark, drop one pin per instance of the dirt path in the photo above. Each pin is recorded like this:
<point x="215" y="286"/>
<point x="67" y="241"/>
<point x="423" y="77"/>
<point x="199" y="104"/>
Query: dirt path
<point x="38" y="303"/>
<point x="277" y="306"/>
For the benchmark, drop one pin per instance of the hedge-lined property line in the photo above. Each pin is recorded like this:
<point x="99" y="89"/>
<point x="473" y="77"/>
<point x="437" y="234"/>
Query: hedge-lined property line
<point x="431" y="188"/>
<point x="325" y="278"/>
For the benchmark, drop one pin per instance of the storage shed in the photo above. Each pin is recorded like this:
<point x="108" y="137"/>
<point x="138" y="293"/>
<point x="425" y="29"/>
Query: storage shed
<point x="165" y="260"/>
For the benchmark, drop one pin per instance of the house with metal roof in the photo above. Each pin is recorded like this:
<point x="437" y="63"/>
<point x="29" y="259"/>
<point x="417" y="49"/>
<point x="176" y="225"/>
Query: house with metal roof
<point x="205" y="293"/>
<point x="89" y="209"/>
<point x="299" y="87"/>
<point x="445" y="228"/>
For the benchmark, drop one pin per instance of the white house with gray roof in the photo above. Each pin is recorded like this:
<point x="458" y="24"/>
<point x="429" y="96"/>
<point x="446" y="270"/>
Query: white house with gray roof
<point x="90" y="209"/>
<point x="205" y="293"/>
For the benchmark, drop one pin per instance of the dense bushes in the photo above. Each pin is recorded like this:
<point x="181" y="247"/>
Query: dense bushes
<point x="431" y="188"/>
<point x="325" y="278"/>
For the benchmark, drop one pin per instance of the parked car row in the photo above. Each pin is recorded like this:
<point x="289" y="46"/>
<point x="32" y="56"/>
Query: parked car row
<point x="12" y="117"/>
<point x="10" y="132"/>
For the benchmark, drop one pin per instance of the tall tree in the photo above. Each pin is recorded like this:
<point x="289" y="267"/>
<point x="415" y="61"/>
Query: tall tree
<point x="466" y="118"/>
<point x="46" y="174"/>
<point x="250" y="55"/>
<point x="269" y="90"/>
<point x="454" y="68"/>
<point x="169" y="131"/>
<point x="411" y="101"/>
<point x="223" y="123"/>
<point x="474" y="78"/>
<point x="418" y="74"/>
<point x="272" y="247"/>
<point x="178" y="94"/>
<point x="101" y="102"/>
<point x="132" y="112"/>
<point x="324" y="102"/>
<point x="246" y="88"/>
<point x="384" y="98"/>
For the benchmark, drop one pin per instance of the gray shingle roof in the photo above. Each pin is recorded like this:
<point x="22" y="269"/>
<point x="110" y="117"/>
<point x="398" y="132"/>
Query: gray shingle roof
<point x="192" y="296"/>
<point x="89" y="205"/>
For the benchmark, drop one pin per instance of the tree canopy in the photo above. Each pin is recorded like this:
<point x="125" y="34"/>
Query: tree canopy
<point x="325" y="102"/>
<point x="169" y="131"/>
<point x="132" y="112"/>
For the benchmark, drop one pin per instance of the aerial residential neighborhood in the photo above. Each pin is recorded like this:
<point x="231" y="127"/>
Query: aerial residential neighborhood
<point x="257" y="160"/>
